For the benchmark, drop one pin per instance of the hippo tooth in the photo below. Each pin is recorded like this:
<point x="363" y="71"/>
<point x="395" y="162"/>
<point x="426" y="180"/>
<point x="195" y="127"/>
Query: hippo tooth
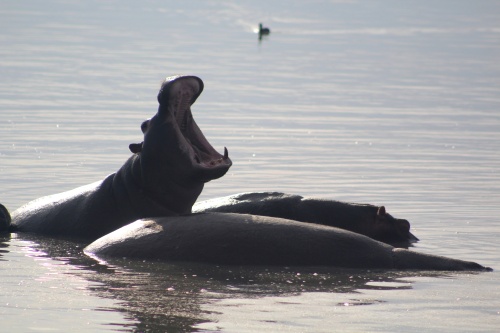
<point x="226" y="154"/>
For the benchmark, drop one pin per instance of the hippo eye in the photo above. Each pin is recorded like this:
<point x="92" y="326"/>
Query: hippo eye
<point x="144" y="126"/>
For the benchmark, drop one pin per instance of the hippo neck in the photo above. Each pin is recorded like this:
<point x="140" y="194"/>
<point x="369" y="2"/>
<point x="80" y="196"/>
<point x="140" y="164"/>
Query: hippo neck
<point x="129" y="190"/>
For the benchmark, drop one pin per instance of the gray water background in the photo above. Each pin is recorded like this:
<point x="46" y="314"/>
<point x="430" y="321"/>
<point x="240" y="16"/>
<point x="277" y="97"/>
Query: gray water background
<point x="384" y="102"/>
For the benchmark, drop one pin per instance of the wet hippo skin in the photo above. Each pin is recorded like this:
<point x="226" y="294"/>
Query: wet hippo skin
<point x="368" y="220"/>
<point x="241" y="239"/>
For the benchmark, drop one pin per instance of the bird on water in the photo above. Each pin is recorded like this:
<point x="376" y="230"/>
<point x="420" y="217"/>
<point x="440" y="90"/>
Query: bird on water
<point x="263" y="31"/>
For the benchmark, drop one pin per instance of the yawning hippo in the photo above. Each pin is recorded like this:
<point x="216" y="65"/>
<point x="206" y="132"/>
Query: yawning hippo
<point x="240" y="239"/>
<point x="368" y="220"/>
<point x="163" y="177"/>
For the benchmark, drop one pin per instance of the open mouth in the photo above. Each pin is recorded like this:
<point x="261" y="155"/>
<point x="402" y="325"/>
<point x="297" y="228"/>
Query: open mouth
<point x="182" y="94"/>
<point x="176" y="96"/>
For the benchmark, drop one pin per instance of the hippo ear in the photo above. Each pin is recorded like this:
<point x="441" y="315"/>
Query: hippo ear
<point x="381" y="211"/>
<point x="135" y="147"/>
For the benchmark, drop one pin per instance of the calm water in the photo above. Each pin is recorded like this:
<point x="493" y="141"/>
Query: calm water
<point x="382" y="102"/>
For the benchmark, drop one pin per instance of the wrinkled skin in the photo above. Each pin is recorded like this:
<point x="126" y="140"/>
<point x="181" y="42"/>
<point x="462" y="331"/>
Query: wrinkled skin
<point x="163" y="177"/>
<point x="240" y="239"/>
<point x="368" y="220"/>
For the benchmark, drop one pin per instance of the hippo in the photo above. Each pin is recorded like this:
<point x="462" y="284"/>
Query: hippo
<point x="5" y="219"/>
<point x="243" y="239"/>
<point x="368" y="220"/>
<point x="163" y="177"/>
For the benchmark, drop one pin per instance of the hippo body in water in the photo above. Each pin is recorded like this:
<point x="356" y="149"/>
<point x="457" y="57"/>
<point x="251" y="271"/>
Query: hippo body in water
<point x="163" y="177"/>
<point x="241" y="239"/>
<point x="368" y="220"/>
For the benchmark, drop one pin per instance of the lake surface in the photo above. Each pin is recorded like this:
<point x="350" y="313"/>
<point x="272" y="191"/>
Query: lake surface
<point x="384" y="102"/>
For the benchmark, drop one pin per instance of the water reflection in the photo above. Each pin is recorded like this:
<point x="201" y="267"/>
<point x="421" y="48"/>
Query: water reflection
<point x="49" y="291"/>
<point x="4" y="246"/>
<point x="157" y="296"/>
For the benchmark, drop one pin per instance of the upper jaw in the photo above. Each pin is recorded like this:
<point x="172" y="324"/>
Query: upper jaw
<point x="180" y="131"/>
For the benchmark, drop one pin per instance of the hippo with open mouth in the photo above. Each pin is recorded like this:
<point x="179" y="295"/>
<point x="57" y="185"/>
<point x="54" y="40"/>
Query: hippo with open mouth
<point x="163" y="177"/>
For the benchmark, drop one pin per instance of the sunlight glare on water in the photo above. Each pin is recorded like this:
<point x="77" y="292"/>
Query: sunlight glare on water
<point x="41" y="293"/>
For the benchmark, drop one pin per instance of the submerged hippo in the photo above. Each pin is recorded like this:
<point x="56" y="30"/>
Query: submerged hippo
<point x="163" y="177"/>
<point x="240" y="239"/>
<point x="368" y="220"/>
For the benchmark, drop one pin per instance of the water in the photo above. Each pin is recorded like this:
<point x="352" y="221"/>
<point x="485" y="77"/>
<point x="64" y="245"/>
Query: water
<point x="381" y="102"/>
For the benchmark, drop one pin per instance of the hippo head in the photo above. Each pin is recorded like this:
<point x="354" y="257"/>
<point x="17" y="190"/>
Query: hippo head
<point x="391" y="230"/>
<point x="175" y="157"/>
